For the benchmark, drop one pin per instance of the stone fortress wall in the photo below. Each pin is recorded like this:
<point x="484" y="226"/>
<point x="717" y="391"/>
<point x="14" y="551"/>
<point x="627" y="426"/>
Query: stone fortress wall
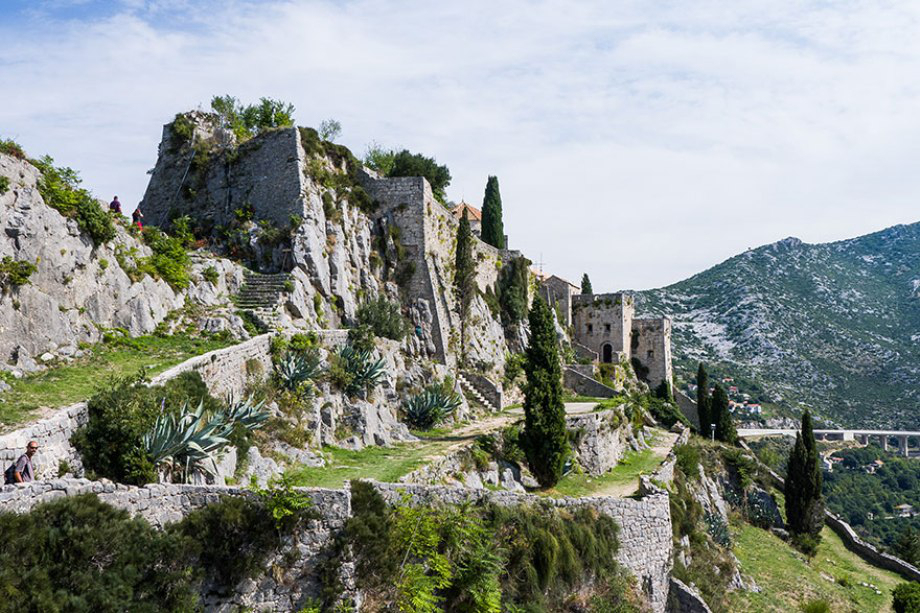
<point x="645" y="528"/>
<point x="651" y="345"/>
<point x="224" y="371"/>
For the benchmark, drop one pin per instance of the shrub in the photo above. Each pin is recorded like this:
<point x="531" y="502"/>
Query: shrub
<point x="816" y="606"/>
<point x="287" y="507"/>
<point x="169" y="259"/>
<point x="361" y="337"/>
<point x="181" y="230"/>
<point x="250" y="120"/>
<point x="383" y="317"/>
<point x="430" y="407"/>
<point x="14" y="273"/>
<point x="379" y="159"/>
<point x="688" y="460"/>
<point x="4" y="185"/>
<point x="229" y="539"/>
<point x="906" y="598"/>
<point x="121" y="414"/>
<point x="79" y="554"/>
<point x="210" y="275"/>
<point x="407" y="164"/>
<point x="12" y="148"/>
<point x="60" y="189"/>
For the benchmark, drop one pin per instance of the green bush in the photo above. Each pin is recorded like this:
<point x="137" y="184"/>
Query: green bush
<point x="383" y="317"/>
<point x="466" y="558"/>
<point x="354" y="370"/>
<point x="688" y="460"/>
<point x="406" y="164"/>
<point x="250" y="120"/>
<point x="210" y="275"/>
<point x="12" y="148"/>
<point x="169" y="259"/>
<point x="60" y="189"/>
<point x="906" y="598"/>
<point x="512" y="286"/>
<point x="121" y="414"/>
<point x="361" y="337"/>
<point x="79" y="554"/>
<point x="14" y="273"/>
<point x="4" y="185"/>
<point x="816" y="606"/>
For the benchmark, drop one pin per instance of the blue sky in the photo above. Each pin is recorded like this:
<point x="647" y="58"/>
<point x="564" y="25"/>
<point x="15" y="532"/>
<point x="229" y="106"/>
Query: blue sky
<point x="638" y="141"/>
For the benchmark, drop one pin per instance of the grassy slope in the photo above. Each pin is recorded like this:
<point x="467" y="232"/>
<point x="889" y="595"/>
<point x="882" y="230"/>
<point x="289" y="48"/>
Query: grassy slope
<point x="77" y="380"/>
<point x="789" y="579"/>
<point x="623" y="474"/>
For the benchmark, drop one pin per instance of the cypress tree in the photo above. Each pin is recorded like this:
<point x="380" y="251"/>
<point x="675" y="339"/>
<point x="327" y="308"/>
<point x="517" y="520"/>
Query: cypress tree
<point x="544" y="437"/>
<point x="586" y="288"/>
<point x="804" y="501"/>
<point x="493" y="229"/>
<point x="722" y="417"/>
<point x="464" y="277"/>
<point x="702" y="400"/>
<point x="794" y="488"/>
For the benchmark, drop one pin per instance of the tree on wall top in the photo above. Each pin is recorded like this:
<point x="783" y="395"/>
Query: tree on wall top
<point x="493" y="229"/>
<point x="406" y="164"/>
<point x="586" y="288"/>
<point x="464" y="277"/>
<point x="702" y="400"/>
<point x="544" y="437"/>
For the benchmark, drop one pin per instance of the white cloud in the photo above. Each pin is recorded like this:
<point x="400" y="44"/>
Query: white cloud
<point x="641" y="142"/>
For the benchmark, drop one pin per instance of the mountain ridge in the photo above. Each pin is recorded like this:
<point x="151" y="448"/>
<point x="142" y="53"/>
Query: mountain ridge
<point x="832" y="326"/>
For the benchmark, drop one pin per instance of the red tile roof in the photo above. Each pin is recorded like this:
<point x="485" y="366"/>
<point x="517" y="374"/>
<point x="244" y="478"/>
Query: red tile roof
<point x="472" y="212"/>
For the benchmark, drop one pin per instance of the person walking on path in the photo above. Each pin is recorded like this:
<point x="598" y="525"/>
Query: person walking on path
<point x="115" y="206"/>
<point x="136" y="217"/>
<point x="22" y="471"/>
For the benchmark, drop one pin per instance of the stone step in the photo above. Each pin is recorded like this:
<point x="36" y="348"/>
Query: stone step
<point x="475" y="393"/>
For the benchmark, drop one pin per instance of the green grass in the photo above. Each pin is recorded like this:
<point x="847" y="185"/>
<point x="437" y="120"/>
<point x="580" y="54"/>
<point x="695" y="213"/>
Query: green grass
<point x="625" y="473"/>
<point x="68" y="383"/>
<point x="385" y="464"/>
<point x="789" y="579"/>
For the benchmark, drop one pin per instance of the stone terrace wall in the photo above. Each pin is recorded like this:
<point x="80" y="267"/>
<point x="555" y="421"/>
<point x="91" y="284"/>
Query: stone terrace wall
<point x="645" y="525"/>
<point x="601" y="439"/>
<point x="224" y="371"/>
<point x="665" y="472"/>
<point x="585" y="385"/>
<point x="288" y="580"/>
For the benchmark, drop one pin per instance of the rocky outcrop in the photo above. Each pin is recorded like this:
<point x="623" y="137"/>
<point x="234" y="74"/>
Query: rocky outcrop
<point x="78" y="287"/>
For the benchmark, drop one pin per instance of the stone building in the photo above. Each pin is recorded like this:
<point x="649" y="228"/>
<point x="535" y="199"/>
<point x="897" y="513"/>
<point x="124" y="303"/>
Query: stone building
<point x="473" y="214"/>
<point x="605" y="329"/>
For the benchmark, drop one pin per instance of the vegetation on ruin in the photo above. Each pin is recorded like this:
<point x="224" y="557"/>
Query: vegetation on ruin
<point x="482" y="559"/>
<point x="406" y="164"/>
<point x="586" y="288"/>
<point x="12" y="148"/>
<point x="493" y="229"/>
<point x="66" y="383"/>
<point x="511" y="291"/>
<point x="169" y="260"/>
<point x="383" y="317"/>
<point x="246" y="121"/>
<point x="4" y="185"/>
<point x="545" y="440"/>
<point x="60" y="189"/>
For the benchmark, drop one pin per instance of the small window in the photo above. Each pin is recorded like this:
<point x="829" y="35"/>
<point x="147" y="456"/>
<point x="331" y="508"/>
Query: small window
<point x="590" y="328"/>
<point x="651" y="353"/>
<point x="607" y="327"/>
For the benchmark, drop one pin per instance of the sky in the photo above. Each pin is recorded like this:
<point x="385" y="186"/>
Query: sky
<point x="640" y="142"/>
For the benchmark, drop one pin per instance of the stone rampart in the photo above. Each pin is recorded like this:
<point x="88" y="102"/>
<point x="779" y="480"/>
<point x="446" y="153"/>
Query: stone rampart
<point x="665" y="472"/>
<point x="651" y="345"/>
<point x="687" y="406"/>
<point x="645" y="525"/>
<point x="224" y="371"/>
<point x="586" y="386"/>
<point x="290" y="577"/>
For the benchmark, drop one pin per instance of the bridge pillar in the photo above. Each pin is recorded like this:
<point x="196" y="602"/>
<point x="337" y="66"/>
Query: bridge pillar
<point x="885" y="442"/>
<point x="902" y="446"/>
<point x="863" y="439"/>
<point x="848" y="435"/>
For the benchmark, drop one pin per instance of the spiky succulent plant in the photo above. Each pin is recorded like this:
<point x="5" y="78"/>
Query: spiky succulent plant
<point x="425" y="410"/>
<point x="365" y="371"/>
<point x="296" y="369"/>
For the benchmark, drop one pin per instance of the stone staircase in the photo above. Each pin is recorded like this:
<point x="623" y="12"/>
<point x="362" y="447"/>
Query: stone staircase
<point x="261" y="294"/>
<point x="472" y="391"/>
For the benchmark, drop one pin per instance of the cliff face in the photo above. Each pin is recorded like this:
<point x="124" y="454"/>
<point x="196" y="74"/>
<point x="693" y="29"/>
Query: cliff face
<point x="308" y="207"/>
<point x="77" y="286"/>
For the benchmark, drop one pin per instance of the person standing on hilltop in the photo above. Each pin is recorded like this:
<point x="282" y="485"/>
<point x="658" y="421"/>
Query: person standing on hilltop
<point x="115" y="206"/>
<point x="136" y="217"/>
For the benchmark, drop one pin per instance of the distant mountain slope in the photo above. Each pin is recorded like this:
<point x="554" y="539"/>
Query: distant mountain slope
<point x="836" y="326"/>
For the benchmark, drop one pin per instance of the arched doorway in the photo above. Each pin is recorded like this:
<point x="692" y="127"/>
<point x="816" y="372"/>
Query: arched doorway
<point x="607" y="353"/>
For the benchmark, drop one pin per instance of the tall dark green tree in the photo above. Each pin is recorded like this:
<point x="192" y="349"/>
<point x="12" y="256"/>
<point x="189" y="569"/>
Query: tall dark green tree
<point x="907" y="546"/>
<point x="464" y="278"/>
<point x="493" y="229"/>
<point x="702" y="400"/>
<point x="406" y="164"/>
<point x="586" y="285"/>
<point x="722" y="417"/>
<point x="545" y="441"/>
<point x="804" y="502"/>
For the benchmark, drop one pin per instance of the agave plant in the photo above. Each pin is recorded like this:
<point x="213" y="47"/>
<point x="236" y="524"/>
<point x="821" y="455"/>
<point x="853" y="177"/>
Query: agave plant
<point x="246" y="413"/>
<point x="364" y="370"/>
<point x="427" y="409"/>
<point x="189" y="443"/>
<point x="296" y="368"/>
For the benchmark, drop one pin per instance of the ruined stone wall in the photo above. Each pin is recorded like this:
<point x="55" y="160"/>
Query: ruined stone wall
<point x="683" y="599"/>
<point x="584" y="385"/>
<point x="601" y="439"/>
<point x="558" y="293"/>
<point x="603" y="318"/>
<point x="224" y="371"/>
<point x="290" y="576"/>
<point x="651" y="345"/>
<point x="645" y="525"/>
